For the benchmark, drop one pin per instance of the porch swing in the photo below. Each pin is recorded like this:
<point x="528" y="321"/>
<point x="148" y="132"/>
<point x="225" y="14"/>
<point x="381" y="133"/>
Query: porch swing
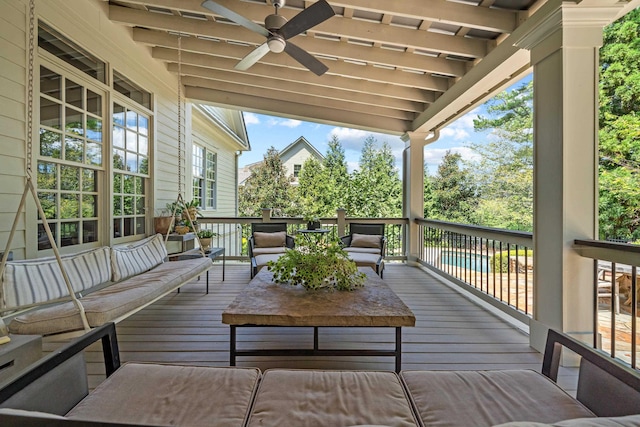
<point x="77" y="292"/>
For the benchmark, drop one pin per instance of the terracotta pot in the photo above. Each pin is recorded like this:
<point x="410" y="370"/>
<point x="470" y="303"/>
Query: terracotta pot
<point x="162" y="224"/>
<point x="205" y="242"/>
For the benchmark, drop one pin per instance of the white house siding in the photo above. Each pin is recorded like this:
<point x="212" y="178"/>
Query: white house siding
<point x="86" y="23"/>
<point x="296" y="158"/>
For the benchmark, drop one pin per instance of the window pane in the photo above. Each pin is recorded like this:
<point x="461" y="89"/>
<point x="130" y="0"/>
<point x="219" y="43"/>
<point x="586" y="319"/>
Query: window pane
<point x="118" y="114"/>
<point x="69" y="206"/>
<point x="140" y="205"/>
<point x="89" y="206"/>
<point x="117" y="205"/>
<point x="89" y="231"/>
<point x="94" y="103"/>
<point x="43" y="239"/>
<point x="63" y="48"/>
<point x="69" y="233"/>
<point x="129" y="187"/>
<point x="69" y="178"/>
<point x="50" y="144"/>
<point x="50" y="113"/>
<point x="48" y="203"/>
<point x="143" y="125"/>
<point x="117" y="183"/>
<point x="140" y="226"/>
<point x="128" y="205"/>
<point x="73" y="149"/>
<point x="118" y="137"/>
<point x="94" y="153"/>
<point x="117" y="227"/>
<point x="47" y="176"/>
<point x="50" y="83"/>
<point x="143" y="145"/>
<point x="73" y="122"/>
<point x="139" y="185"/>
<point x="131" y="90"/>
<point x="74" y="94"/>
<point x="132" y="141"/>
<point x="118" y="159"/>
<point x="89" y="180"/>
<point x="128" y="226"/>
<point x="132" y="162"/>
<point x="144" y="165"/>
<point x="94" y="129"/>
<point x="132" y="120"/>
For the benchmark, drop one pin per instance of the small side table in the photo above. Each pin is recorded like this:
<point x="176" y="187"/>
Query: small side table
<point x="19" y="353"/>
<point x="211" y="253"/>
<point x="316" y="233"/>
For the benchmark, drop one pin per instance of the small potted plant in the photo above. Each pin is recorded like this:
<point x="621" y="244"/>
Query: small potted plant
<point x="313" y="222"/>
<point x="319" y="266"/>
<point x="205" y="237"/>
<point x="162" y="222"/>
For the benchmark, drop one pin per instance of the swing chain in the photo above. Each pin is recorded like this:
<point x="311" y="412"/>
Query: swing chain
<point x="30" y="87"/>
<point x="180" y="114"/>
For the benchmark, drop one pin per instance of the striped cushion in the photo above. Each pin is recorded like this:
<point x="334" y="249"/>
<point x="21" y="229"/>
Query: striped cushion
<point x="40" y="280"/>
<point x="137" y="258"/>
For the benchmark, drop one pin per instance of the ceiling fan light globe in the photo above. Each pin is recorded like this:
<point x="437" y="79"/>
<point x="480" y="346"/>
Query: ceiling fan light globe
<point x="276" y="45"/>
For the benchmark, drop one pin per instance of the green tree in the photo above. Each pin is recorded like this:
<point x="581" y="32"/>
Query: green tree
<point x="504" y="170"/>
<point x="315" y="192"/>
<point x="375" y="189"/>
<point x="619" y="169"/>
<point x="268" y="186"/>
<point x="453" y="191"/>
<point x="338" y="175"/>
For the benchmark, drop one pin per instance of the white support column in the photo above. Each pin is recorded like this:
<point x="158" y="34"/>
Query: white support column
<point x="413" y="188"/>
<point x="564" y="53"/>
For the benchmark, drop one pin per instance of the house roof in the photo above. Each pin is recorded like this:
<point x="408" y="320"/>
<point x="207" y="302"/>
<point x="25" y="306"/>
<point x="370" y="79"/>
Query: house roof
<point x="296" y="145"/>
<point x="394" y="66"/>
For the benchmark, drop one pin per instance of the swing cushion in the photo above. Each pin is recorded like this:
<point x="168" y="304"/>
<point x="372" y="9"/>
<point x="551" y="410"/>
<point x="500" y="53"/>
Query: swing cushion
<point x="137" y="258"/>
<point x="39" y="280"/>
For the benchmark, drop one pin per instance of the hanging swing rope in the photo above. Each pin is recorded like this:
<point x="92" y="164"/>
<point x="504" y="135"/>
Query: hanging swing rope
<point x="29" y="187"/>
<point x="180" y="203"/>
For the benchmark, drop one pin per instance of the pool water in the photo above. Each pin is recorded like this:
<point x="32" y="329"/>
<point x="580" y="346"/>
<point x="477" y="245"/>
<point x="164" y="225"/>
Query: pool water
<point x="474" y="262"/>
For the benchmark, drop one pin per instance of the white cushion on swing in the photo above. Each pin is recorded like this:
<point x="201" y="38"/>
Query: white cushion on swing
<point x="38" y="280"/>
<point x="137" y="258"/>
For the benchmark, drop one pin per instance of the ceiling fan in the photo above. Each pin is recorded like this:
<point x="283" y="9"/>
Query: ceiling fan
<point x="278" y="31"/>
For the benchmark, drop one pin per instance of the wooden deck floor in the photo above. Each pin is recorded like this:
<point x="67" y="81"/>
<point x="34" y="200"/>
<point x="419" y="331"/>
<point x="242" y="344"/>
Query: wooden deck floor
<point x="451" y="332"/>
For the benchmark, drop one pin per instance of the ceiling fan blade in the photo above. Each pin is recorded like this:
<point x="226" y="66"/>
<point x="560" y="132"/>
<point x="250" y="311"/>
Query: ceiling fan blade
<point x="232" y="16"/>
<point x="310" y="17"/>
<point x="306" y="59"/>
<point x="252" y="57"/>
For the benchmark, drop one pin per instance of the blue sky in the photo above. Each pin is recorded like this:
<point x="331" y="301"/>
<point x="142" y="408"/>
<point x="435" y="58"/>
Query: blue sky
<point x="266" y="131"/>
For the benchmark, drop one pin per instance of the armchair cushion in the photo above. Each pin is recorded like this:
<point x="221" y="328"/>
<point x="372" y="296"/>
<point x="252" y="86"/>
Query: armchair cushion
<point x="270" y="240"/>
<point x="366" y="240"/>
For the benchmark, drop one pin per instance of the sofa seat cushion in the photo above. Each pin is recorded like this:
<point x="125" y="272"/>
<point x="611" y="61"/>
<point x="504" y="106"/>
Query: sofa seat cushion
<point x="365" y="259"/>
<point x="262" y="260"/>
<point x="111" y="302"/>
<point x="266" y="251"/>
<point x="465" y="398"/>
<point x="294" y="398"/>
<point x="362" y="250"/>
<point x="152" y="394"/>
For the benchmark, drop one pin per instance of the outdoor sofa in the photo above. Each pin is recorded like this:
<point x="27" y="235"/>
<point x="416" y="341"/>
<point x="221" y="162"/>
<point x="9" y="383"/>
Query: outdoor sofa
<point x="54" y="392"/>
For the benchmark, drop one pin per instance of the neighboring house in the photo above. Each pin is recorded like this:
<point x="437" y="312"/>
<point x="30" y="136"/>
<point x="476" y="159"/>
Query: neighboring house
<point x="105" y="133"/>
<point x="293" y="157"/>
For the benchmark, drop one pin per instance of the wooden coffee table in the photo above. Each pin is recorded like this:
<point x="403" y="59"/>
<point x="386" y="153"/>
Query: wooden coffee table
<point x="264" y="303"/>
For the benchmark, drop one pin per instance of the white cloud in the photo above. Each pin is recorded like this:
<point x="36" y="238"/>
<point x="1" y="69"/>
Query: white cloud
<point x="461" y="128"/>
<point x="251" y="119"/>
<point x="291" y="123"/>
<point x="456" y="133"/>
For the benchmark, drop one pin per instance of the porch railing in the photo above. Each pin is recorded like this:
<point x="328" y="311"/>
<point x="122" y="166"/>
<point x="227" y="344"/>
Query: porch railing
<point x="495" y="265"/>
<point x="615" y="296"/>
<point x="232" y="233"/>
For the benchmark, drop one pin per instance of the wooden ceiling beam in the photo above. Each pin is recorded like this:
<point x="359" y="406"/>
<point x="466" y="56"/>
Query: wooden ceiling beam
<point x="337" y="26"/>
<point x="317" y="46"/>
<point x="297" y="72"/>
<point x="198" y="76"/>
<point x="300" y="111"/>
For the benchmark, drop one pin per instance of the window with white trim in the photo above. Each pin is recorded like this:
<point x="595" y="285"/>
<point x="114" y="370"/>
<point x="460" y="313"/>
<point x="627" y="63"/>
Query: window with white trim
<point x="204" y="177"/>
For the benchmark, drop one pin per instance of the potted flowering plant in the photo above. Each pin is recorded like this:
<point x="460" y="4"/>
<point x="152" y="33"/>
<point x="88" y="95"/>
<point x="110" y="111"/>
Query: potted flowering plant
<point x="319" y="266"/>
